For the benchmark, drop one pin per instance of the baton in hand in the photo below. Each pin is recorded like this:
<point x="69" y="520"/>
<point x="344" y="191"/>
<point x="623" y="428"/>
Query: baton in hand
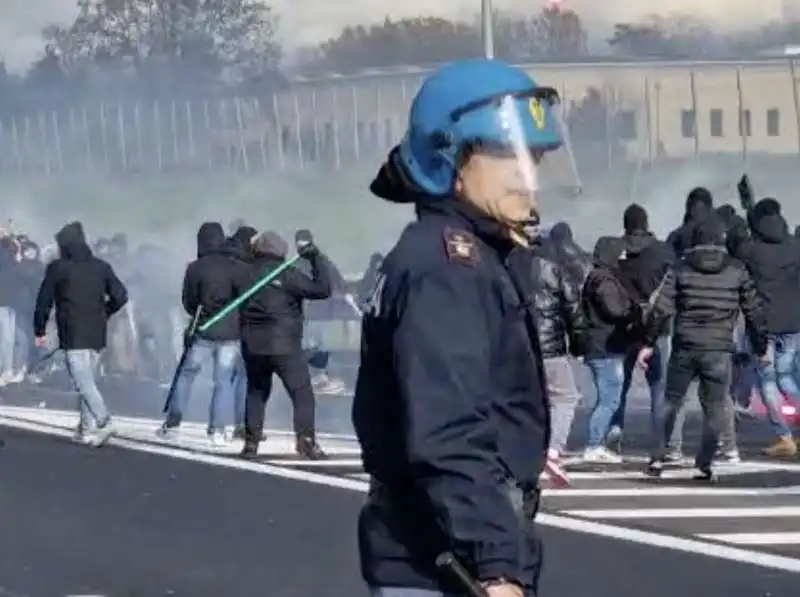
<point x="448" y="563"/>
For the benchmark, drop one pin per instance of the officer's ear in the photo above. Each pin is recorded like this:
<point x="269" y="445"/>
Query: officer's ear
<point x="462" y="163"/>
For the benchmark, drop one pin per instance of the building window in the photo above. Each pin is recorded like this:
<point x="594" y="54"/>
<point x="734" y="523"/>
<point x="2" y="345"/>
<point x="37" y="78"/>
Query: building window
<point x="715" y="117"/>
<point x="773" y="122"/>
<point x="688" y="124"/>
<point x="626" y="125"/>
<point x="745" y="123"/>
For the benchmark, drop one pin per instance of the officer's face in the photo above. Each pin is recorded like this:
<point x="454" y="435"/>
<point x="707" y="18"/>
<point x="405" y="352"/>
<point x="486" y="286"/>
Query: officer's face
<point x="499" y="186"/>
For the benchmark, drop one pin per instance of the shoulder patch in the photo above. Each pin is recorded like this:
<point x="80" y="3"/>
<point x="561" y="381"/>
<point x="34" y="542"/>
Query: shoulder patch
<point x="461" y="247"/>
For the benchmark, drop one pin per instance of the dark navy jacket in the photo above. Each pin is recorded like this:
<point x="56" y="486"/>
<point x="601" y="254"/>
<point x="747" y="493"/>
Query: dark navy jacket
<point x="449" y="406"/>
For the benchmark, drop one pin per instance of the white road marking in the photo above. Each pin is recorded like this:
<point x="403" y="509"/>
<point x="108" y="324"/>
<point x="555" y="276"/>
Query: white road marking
<point x="662" y="513"/>
<point x="754" y="538"/>
<point x="710" y="491"/>
<point x="703" y="548"/>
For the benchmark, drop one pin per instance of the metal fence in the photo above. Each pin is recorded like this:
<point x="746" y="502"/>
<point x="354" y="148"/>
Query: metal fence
<point x="614" y="114"/>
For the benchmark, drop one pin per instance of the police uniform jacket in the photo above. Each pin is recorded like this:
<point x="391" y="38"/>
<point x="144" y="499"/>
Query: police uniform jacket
<point x="449" y="406"/>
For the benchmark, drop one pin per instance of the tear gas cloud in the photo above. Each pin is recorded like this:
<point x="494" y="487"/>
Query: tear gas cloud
<point x="165" y="206"/>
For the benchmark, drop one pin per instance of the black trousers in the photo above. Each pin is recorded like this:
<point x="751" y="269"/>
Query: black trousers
<point x="292" y="370"/>
<point x="712" y="369"/>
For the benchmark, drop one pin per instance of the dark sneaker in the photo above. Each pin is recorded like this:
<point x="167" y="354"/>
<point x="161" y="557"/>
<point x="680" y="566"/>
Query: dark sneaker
<point x="308" y="448"/>
<point x="250" y="451"/>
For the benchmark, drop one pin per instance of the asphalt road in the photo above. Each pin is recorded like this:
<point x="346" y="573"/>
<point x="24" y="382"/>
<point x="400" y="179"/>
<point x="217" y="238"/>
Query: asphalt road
<point x="120" y="523"/>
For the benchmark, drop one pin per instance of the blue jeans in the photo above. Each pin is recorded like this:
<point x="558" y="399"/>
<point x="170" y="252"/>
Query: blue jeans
<point x="8" y="333"/>
<point x="779" y="375"/>
<point x="607" y="376"/>
<point x="82" y="367"/>
<point x="239" y="392"/>
<point x="223" y="357"/>
<point x="656" y="378"/>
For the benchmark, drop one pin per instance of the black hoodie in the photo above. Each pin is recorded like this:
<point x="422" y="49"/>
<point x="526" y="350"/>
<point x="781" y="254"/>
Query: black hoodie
<point x="212" y="281"/>
<point x="84" y="289"/>
<point x="699" y="206"/>
<point x="772" y="256"/>
<point x="710" y="288"/>
<point x="609" y="308"/>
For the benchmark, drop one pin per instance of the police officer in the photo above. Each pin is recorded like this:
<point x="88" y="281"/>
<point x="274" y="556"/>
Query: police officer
<point x="450" y="407"/>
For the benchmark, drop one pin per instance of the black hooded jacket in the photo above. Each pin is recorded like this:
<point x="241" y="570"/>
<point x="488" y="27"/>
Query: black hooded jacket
<point x="85" y="291"/>
<point x="211" y="282"/>
<point x="772" y="256"/>
<point x="710" y="288"/>
<point x="680" y="239"/>
<point x="609" y="308"/>
<point x="272" y="319"/>
<point x="644" y="264"/>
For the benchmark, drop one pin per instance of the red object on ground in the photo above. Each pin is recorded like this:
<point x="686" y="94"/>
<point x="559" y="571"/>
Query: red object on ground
<point x="790" y="411"/>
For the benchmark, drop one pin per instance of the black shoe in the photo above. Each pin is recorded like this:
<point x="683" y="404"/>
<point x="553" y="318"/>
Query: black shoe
<point x="704" y="473"/>
<point x="654" y="468"/>
<point x="250" y="451"/>
<point x="308" y="448"/>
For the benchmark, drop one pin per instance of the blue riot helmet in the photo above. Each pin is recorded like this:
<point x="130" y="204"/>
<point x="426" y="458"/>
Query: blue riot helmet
<point x="492" y="107"/>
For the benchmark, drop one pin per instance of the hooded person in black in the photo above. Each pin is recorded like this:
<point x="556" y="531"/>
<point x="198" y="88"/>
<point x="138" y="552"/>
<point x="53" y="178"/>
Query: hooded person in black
<point x="643" y="268"/>
<point x="610" y="310"/>
<point x="699" y="205"/>
<point x="708" y="290"/>
<point x="272" y="339"/>
<point x="772" y="256"/>
<point x="570" y="255"/>
<point x="210" y="284"/>
<point x="86" y="292"/>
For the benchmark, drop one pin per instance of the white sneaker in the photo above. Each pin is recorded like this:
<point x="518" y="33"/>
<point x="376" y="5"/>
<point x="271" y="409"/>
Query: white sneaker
<point x="83" y="436"/>
<point x="219" y="439"/>
<point x="601" y="455"/>
<point x="101" y="436"/>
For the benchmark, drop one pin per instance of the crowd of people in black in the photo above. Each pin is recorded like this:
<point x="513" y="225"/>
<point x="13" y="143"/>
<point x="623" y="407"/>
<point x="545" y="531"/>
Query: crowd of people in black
<point x="711" y="303"/>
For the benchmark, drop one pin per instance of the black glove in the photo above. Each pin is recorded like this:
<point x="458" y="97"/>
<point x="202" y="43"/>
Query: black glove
<point x="746" y="198"/>
<point x="304" y="243"/>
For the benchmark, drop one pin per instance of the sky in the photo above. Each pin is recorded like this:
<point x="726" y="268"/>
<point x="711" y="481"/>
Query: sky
<point x="307" y="22"/>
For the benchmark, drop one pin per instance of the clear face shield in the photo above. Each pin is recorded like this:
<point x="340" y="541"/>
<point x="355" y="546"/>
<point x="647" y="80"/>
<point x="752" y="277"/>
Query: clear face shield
<point x="516" y="154"/>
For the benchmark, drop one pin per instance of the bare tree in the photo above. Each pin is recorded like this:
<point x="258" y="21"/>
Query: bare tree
<point x="215" y="40"/>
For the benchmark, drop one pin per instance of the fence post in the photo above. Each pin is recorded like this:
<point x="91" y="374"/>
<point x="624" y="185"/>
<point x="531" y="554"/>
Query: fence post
<point x="337" y="150"/>
<point x="743" y="132"/>
<point x="262" y="130"/>
<point x="315" y="124"/>
<point x="796" y="98"/>
<point x="57" y="137"/>
<point x="648" y="120"/>
<point x="45" y="145"/>
<point x="173" y="117"/>
<point x="104" y="136"/>
<point x="298" y="130"/>
<point x="157" y="127"/>
<point x="26" y="123"/>
<point x="278" y="131"/>
<point x="356" y="132"/>
<point x="137" y="125"/>
<point x="242" y="141"/>
<point x="693" y="91"/>
<point x="17" y="152"/>
<point x="209" y="136"/>
<point x="190" y="131"/>
<point x="123" y="143"/>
